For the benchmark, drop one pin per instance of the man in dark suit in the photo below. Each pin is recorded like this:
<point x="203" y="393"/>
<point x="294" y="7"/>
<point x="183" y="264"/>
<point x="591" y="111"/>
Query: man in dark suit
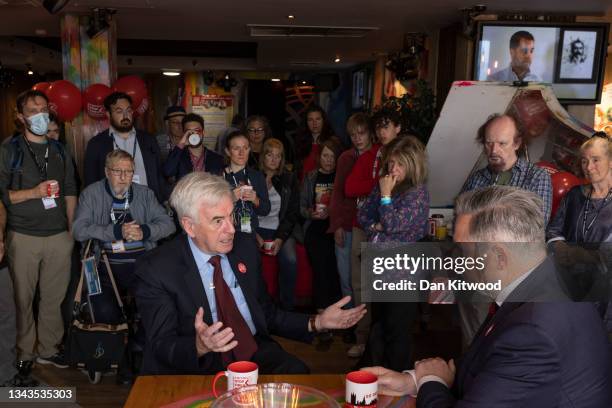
<point x="122" y="135"/>
<point x="538" y="349"/>
<point x="203" y="301"/>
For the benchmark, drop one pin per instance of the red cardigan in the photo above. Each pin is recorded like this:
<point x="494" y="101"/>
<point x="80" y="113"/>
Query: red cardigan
<point x="364" y="175"/>
<point x="342" y="209"/>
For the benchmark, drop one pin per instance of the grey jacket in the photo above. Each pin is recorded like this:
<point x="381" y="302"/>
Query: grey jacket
<point x="92" y="217"/>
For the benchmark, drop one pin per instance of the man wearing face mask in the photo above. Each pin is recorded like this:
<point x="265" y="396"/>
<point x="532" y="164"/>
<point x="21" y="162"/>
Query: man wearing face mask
<point x="39" y="192"/>
<point x="121" y="134"/>
<point x="190" y="154"/>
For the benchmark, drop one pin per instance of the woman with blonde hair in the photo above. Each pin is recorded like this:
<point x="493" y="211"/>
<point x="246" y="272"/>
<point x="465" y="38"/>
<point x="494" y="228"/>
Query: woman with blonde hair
<point x="396" y="210"/>
<point x="276" y="229"/>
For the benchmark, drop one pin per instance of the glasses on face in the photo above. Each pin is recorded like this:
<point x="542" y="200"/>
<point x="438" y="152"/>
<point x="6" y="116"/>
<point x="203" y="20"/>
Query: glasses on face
<point x="120" y="172"/>
<point x="255" y="130"/>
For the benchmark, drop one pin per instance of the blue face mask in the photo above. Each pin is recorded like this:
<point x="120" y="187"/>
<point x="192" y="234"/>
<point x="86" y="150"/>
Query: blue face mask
<point x="39" y="123"/>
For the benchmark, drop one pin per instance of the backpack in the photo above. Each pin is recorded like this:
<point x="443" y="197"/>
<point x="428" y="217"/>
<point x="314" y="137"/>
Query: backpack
<point x="17" y="158"/>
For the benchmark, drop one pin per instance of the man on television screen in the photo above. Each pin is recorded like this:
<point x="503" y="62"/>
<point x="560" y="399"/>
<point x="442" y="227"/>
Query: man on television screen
<point x="521" y="51"/>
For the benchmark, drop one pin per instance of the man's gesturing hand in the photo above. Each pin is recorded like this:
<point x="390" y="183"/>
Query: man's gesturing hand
<point x="209" y="338"/>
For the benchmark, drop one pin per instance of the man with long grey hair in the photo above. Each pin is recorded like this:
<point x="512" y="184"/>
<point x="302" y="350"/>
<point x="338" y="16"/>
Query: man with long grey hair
<point x="203" y="300"/>
<point x="529" y="351"/>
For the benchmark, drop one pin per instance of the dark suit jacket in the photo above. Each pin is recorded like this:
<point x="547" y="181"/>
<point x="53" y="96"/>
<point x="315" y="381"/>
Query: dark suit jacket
<point x="179" y="163"/>
<point x="102" y="144"/>
<point x="170" y="291"/>
<point x="536" y="354"/>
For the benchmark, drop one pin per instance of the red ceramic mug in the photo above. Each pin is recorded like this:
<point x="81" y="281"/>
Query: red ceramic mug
<point x="239" y="374"/>
<point x="361" y="390"/>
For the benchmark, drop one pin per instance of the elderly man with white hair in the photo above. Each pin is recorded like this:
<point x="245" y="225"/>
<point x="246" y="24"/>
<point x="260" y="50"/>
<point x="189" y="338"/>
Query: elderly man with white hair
<point x="203" y="300"/>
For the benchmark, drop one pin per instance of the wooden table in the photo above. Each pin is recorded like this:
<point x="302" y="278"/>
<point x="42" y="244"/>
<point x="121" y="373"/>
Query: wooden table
<point x="157" y="390"/>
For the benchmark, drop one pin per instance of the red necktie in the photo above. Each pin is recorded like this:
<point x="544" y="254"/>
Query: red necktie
<point x="229" y="315"/>
<point x="492" y="309"/>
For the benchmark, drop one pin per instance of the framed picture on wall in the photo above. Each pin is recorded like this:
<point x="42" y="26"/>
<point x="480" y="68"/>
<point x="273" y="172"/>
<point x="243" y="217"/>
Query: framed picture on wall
<point x="359" y="89"/>
<point x="577" y="59"/>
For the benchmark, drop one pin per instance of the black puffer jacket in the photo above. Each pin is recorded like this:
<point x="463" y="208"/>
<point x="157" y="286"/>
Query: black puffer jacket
<point x="287" y="186"/>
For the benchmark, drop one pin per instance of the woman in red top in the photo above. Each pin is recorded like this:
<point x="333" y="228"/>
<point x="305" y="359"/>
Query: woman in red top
<point x="359" y="183"/>
<point x="342" y="210"/>
<point x="316" y="131"/>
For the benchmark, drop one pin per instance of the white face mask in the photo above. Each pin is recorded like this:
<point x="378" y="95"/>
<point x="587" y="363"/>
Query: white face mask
<point x="38" y="123"/>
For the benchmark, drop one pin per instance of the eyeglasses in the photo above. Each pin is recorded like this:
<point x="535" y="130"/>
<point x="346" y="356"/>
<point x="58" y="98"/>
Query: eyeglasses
<point x="119" y="172"/>
<point x="255" y="130"/>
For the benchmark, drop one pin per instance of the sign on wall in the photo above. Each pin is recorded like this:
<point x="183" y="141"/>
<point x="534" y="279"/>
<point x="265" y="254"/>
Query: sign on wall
<point x="217" y="111"/>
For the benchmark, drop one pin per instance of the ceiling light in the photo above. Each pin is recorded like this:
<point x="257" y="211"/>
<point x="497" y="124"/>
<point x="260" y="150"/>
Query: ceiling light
<point x="290" y="16"/>
<point x="171" y="72"/>
<point x="30" y="72"/>
<point x="337" y="59"/>
<point x="303" y="82"/>
<point x="275" y="79"/>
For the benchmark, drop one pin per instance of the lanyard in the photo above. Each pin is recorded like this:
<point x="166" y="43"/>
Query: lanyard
<point x="42" y="167"/>
<point x="242" y="204"/>
<point x="234" y="177"/>
<point x="126" y="207"/>
<point x="586" y="228"/>
<point x="133" y="150"/>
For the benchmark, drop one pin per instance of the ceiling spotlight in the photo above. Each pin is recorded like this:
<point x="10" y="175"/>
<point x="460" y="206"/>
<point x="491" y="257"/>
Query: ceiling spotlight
<point x="290" y="16"/>
<point x="303" y="82"/>
<point x="30" y="72"/>
<point x="171" y="72"/>
<point x="275" y="80"/>
<point x="55" y="6"/>
<point x="337" y="60"/>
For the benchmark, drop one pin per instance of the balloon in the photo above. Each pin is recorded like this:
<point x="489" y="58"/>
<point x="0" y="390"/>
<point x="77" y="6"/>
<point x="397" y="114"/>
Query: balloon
<point x="42" y="87"/>
<point x="548" y="166"/>
<point x="93" y="100"/>
<point x="562" y="182"/>
<point x="135" y="87"/>
<point x="64" y="99"/>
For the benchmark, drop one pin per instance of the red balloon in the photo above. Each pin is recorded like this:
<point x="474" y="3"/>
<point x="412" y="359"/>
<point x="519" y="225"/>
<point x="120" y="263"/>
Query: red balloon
<point x="42" y="87"/>
<point x="93" y="100"/>
<point x="64" y="99"/>
<point x="548" y="166"/>
<point x="562" y="182"/>
<point x="135" y="87"/>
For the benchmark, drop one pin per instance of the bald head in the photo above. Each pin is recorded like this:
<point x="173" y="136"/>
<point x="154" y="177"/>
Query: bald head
<point x="501" y="141"/>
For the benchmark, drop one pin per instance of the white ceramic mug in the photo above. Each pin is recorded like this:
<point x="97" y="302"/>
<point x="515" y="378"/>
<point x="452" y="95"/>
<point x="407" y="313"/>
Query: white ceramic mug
<point x="361" y="389"/>
<point x="239" y="374"/>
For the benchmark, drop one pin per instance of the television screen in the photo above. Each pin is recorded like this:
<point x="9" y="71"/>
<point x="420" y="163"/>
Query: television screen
<point x="570" y="57"/>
